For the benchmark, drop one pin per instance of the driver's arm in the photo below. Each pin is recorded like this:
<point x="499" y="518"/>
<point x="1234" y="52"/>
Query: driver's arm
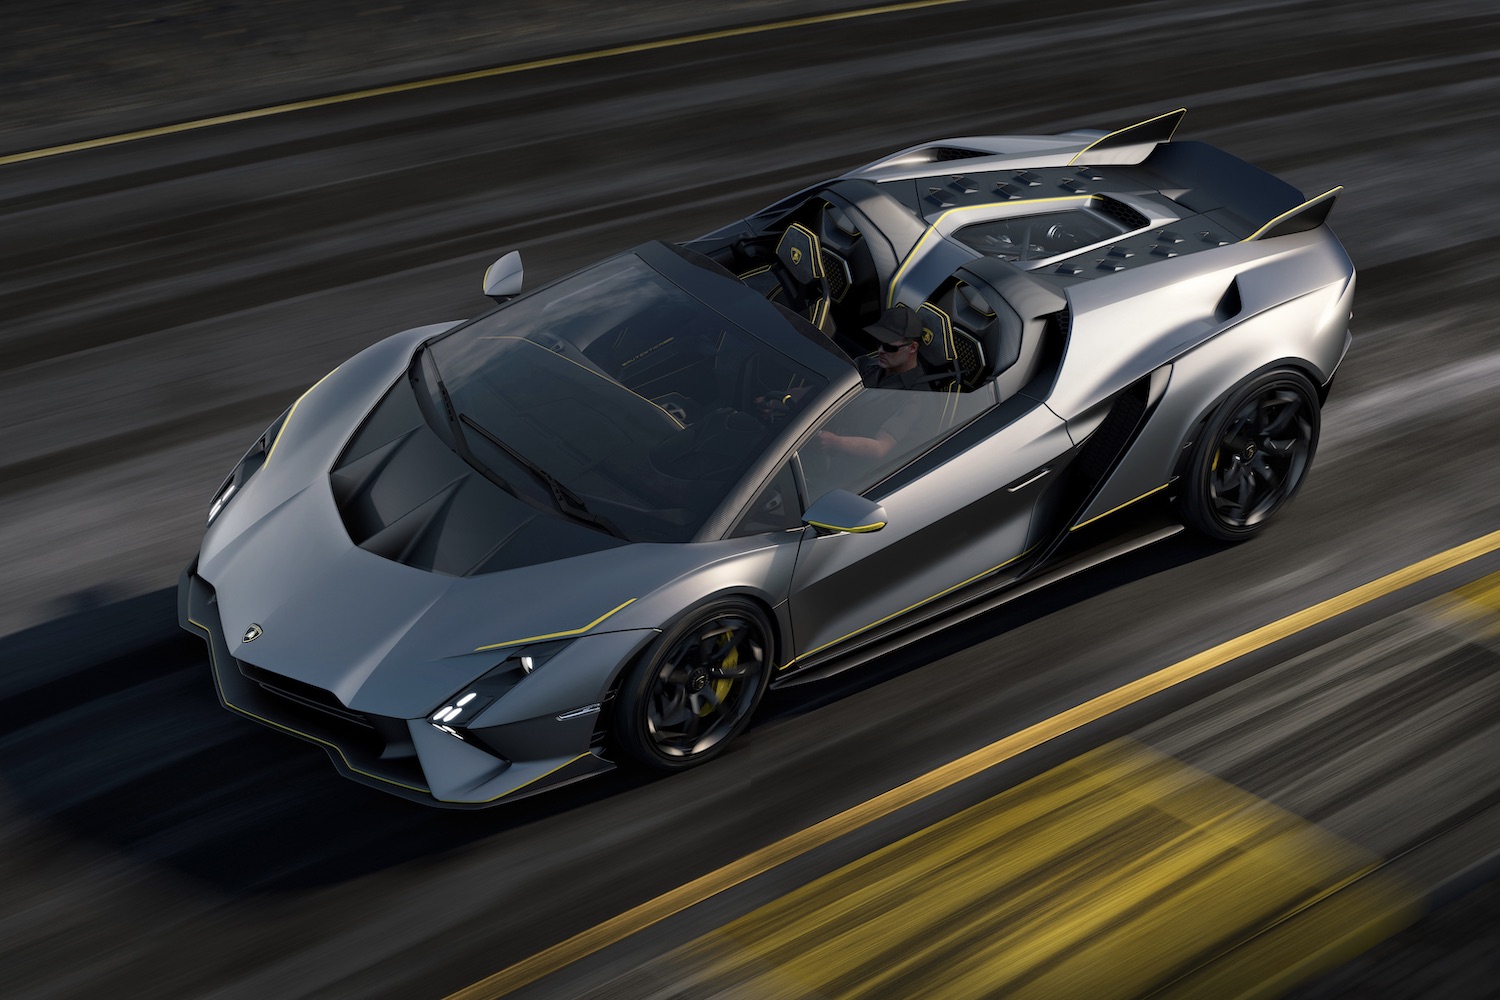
<point x="876" y="447"/>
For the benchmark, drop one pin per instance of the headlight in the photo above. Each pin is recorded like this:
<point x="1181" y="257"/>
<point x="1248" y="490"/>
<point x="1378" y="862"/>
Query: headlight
<point x="456" y="714"/>
<point x="248" y="466"/>
<point x="225" y="492"/>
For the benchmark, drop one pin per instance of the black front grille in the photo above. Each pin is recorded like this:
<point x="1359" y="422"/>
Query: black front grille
<point x="303" y="694"/>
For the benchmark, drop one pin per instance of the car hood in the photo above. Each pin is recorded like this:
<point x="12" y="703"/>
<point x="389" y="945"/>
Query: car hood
<point x="385" y="637"/>
<point x="391" y="639"/>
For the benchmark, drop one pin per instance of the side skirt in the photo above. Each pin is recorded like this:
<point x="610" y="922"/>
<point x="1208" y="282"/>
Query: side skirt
<point x="1072" y="563"/>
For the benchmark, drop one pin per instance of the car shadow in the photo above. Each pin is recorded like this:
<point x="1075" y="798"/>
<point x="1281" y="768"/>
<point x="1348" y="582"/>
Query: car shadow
<point x="111" y="733"/>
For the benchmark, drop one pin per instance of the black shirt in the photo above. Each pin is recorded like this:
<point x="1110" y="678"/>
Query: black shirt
<point x="905" y="412"/>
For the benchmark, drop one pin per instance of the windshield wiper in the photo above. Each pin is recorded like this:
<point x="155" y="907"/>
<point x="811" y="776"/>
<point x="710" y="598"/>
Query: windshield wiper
<point x="567" y="501"/>
<point x="460" y="443"/>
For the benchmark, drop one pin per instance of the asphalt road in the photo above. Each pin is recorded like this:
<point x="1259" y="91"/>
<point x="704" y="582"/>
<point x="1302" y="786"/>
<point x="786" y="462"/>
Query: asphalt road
<point x="164" y="299"/>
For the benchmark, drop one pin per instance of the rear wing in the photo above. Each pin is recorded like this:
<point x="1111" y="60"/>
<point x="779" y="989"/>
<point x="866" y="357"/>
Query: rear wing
<point x="1242" y="198"/>
<point x="1142" y="134"/>
<point x="1308" y="215"/>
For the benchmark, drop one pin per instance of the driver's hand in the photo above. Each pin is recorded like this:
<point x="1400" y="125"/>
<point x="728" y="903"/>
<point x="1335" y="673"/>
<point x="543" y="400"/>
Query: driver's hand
<point x="773" y="404"/>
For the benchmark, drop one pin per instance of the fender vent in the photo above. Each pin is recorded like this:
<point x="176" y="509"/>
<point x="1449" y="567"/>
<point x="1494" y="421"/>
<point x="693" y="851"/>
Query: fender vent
<point x="1105" y="445"/>
<point x="1230" y="305"/>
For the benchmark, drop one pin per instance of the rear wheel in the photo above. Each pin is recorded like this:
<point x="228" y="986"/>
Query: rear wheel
<point x="696" y="688"/>
<point x="1253" y="455"/>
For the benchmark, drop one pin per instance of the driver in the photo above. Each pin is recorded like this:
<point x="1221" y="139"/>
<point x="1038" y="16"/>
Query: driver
<point x="894" y="366"/>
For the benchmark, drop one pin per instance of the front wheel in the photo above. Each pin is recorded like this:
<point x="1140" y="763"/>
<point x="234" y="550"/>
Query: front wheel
<point x="1253" y="455"/>
<point x="694" y="690"/>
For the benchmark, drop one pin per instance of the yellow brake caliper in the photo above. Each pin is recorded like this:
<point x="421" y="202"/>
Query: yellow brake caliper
<point x="723" y="684"/>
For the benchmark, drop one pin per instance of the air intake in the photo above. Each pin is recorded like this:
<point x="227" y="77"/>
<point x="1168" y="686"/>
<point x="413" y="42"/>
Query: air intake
<point x="940" y="154"/>
<point x="1121" y="213"/>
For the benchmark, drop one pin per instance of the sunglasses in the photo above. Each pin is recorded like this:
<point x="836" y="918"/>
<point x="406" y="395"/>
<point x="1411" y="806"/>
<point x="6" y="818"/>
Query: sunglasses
<point x="893" y="348"/>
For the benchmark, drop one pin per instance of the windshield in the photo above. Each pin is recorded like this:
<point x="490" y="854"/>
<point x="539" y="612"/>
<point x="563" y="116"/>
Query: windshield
<point x="621" y="396"/>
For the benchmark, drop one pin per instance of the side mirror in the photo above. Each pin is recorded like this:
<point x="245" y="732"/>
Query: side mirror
<point x="502" y="280"/>
<point x="841" y="510"/>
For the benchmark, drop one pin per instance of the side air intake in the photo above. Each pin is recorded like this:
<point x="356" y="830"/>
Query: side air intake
<point x="940" y="154"/>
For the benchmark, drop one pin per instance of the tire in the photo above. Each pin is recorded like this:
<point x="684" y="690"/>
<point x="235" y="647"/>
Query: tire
<point x="695" y="689"/>
<point x="1253" y="455"/>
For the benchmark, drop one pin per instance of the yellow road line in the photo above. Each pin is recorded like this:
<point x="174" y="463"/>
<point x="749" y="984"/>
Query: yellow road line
<point x="622" y="926"/>
<point x="481" y="74"/>
<point x="1109" y="876"/>
<point x="1477" y="607"/>
<point x="1482" y="597"/>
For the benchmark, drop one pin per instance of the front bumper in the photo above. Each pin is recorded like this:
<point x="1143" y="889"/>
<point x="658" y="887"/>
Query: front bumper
<point x="405" y="757"/>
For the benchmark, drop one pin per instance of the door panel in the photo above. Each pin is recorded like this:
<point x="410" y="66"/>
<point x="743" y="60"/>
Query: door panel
<point x="958" y="524"/>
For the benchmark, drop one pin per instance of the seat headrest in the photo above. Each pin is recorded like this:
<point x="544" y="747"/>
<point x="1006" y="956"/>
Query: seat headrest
<point x="936" y="348"/>
<point x="798" y="252"/>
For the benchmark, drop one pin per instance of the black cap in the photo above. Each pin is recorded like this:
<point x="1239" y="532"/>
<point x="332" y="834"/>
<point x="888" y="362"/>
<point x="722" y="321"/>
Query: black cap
<point x="898" y="325"/>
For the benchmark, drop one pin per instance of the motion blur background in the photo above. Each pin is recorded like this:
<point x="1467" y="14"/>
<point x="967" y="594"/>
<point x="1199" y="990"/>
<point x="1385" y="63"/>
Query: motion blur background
<point x="161" y="300"/>
<point x="89" y="67"/>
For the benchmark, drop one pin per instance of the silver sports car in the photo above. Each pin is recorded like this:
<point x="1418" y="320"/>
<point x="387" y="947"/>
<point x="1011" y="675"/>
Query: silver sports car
<point x="596" y="523"/>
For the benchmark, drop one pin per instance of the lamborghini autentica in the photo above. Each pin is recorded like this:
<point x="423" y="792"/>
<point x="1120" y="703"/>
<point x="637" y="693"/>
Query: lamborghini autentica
<point x="596" y="523"/>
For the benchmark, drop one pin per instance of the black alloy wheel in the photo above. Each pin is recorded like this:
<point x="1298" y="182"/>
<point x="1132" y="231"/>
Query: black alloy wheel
<point x="1253" y="456"/>
<point x="696" y="688"/>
